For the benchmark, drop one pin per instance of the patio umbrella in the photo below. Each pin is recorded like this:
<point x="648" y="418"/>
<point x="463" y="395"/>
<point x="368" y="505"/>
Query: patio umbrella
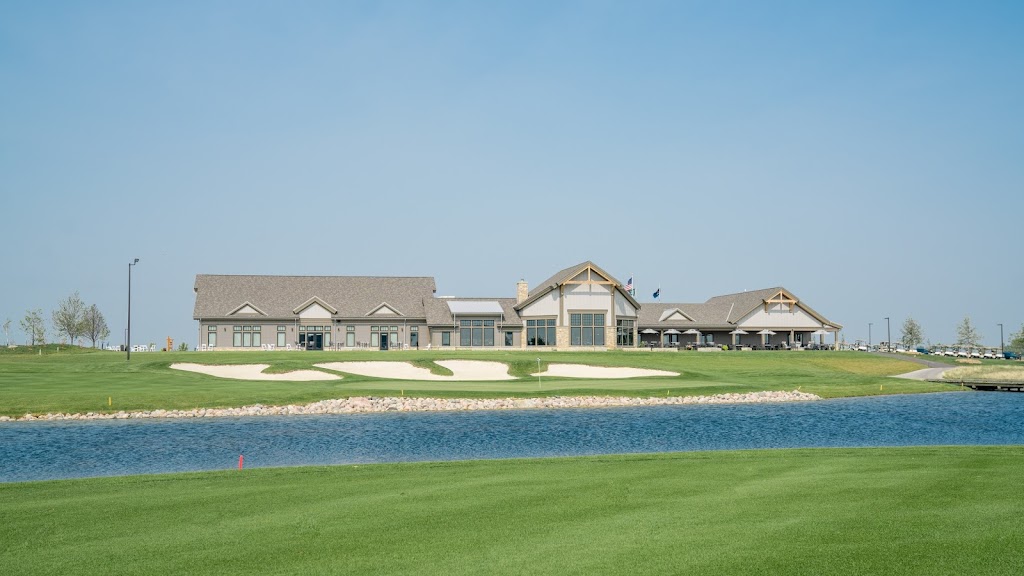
<point x="648" y="331"/>
<point x="696" y="332"/>
<point x="672" y="331"/>
<point x="739" y="331"/>
<point x="766" y="332"/>
<point x="819" y="333"/>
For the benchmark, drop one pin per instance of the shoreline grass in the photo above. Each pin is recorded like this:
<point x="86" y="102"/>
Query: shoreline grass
<point x="1010" y="374"/>
<point x="80" y="380"/>
<point x="925" y="510"/>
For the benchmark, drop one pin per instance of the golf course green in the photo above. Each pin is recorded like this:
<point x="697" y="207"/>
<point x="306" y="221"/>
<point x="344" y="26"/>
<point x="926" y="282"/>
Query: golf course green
<point x="928" y="511"/>
<point x="75" y="380"/>
<point x="920" y="510"/>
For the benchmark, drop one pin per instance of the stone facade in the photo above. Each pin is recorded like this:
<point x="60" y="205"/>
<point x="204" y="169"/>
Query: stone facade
<point x="562" y="337"/>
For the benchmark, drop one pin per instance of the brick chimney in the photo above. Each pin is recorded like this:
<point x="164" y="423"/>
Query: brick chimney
<point x="522" y="291"/>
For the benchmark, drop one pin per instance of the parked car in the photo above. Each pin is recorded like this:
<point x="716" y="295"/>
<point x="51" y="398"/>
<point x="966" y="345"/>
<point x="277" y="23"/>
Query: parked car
<point x="1011" y="355"/>
<point x="923" y="350"/>
<point x="975" y="354"/>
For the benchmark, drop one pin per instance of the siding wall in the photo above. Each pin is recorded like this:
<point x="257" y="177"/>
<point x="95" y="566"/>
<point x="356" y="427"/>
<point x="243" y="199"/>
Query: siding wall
<point x="779" y="316"/>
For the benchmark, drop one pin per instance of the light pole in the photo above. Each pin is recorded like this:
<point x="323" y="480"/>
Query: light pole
<point x="869" y="336"/>
<point x="128" y="332"/>
<point x="888" y="336"/>
<point x="1001" y="344"/>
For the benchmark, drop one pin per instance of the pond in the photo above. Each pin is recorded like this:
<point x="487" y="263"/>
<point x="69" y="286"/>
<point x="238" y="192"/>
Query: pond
<point x="53" y="450"/>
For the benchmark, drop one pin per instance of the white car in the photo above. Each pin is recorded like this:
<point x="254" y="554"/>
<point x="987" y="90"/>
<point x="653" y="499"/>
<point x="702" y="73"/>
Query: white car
<point x="975" y="354"/>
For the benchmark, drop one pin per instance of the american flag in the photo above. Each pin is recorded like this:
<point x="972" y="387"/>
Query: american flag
<point x="629" y="285"/>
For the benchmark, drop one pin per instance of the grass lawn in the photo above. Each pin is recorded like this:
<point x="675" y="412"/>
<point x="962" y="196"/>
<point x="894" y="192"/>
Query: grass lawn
<point x="987" y="373"/>
<point x="82" y="380"/>
<point x="945" y="510"/>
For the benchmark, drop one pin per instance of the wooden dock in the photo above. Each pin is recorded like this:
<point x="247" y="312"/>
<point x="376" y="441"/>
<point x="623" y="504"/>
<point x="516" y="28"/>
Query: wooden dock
<point x="987" y="386"/>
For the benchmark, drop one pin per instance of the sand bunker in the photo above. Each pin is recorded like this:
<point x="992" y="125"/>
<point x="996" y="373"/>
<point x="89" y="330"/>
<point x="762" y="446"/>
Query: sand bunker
<point x="254" y="372"/>
<point x="471" y="370"/>
<point x="582" y="371"/>
<point x="463" y="370"/>
<point x="477" y="370"/>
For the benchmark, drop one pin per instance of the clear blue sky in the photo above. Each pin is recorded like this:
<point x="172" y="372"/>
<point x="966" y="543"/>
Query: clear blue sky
<point x="869" y="156"/>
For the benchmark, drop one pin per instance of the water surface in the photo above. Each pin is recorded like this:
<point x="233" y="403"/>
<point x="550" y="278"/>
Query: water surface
<point x="51" y="450"/>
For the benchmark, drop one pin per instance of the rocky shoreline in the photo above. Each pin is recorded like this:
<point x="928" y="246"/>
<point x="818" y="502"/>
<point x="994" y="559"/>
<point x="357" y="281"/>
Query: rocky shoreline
<point x="367" y="404"/>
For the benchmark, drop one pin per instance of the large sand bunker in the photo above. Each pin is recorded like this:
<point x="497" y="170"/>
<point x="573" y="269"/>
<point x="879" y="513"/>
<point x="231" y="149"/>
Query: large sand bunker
<point x="254" y="372"/>
<point x="583" y="371"/>
<point x="471" y="370"/>
<point x="477" y="370"/>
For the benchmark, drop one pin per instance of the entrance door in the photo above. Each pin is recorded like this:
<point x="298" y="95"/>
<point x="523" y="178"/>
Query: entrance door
<point x="383" y="340"/>
<point x="314" y="341"/>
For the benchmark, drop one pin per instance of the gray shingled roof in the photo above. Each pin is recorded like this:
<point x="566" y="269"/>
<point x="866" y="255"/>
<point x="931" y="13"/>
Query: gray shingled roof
<point x="718" y="312"/>
<point x="438" y="313"/>
<point x="740" y="304"/>
<point x="277" y="296"/>
<point x="704" y="316"/>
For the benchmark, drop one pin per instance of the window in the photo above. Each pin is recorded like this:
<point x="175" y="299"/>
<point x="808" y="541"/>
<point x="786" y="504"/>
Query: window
<point x="374" y="336"/>
<point x="414" y="337"/>
<point x="624" y="332"/>
<point x="394" y="335"/>
<point x="540" y="332"/>
<point x="446" y="338"/>
<point x="508" y="338"/>
<point x="350" y="336"/>
<point x="586" y="329"/>
<point x="327" y="337"/>
<point x="246" y="337"/>
<point x="211" y="336"/>
<point x="281" y="337"/>
<point x="476" y="332"/>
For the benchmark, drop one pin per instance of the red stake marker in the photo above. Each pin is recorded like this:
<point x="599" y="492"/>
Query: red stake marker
<point x="241" y="460"/>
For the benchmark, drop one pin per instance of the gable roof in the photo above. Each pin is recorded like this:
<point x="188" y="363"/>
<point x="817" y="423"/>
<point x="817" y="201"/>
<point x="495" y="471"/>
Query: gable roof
<point x="721" y="312"/>
<point x="314" y="300"/>
<point x="563" y="276"/>
<point x="384" y="306"/>
<point x="240" y="309"/>
<point x="279" y="296"/>
<point x="671" y="313"/>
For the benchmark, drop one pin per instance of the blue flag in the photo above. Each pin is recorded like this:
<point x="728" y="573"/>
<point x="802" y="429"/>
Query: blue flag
<point x="657" y="292"/>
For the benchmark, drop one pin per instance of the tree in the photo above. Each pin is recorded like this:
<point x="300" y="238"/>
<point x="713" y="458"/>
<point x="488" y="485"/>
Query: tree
<point x="94" y="326"/>
<point x="966" y="335"/>
<point x="67" y="318"/>
<point x="912" y="334"/>
<point x="1017" y="341"/>
<point x="7" y="331"/>
<point x="34" y="327"/>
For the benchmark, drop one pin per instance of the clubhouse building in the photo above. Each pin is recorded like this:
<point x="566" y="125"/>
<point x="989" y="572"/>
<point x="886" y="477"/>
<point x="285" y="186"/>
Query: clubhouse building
<point x="580" y="307"/>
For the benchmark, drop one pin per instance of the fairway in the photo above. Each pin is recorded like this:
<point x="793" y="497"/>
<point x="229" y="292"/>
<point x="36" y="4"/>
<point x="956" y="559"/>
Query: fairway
<point x="928" y="511"/>
<point x="81" y="380"/>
